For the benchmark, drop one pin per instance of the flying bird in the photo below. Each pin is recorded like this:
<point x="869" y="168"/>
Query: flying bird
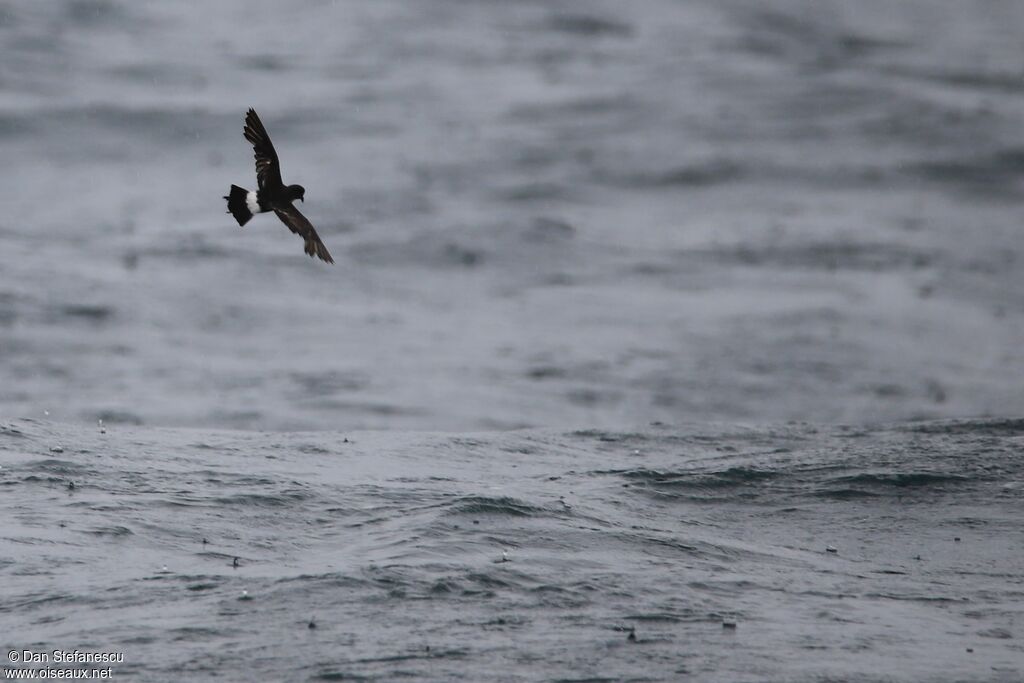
<point x="273" y="194"/>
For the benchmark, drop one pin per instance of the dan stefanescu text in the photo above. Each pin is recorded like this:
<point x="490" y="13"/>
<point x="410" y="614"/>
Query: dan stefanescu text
<point x="70" y="657"/>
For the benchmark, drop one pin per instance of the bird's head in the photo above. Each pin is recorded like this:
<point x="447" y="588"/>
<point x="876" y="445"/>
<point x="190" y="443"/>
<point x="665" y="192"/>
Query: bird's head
<point x="296" y="192"/>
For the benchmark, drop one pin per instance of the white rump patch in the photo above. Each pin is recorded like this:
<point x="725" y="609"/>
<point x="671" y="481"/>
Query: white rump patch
<point x="252" y="203"/>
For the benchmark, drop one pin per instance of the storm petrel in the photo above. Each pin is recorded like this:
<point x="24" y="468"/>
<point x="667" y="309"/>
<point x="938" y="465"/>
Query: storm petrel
<point x="273" y="194"/>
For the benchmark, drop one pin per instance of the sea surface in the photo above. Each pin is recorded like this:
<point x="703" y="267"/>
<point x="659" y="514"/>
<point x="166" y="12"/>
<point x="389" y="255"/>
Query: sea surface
<point x="639" y="308"/>
<point x="694" y="552"/>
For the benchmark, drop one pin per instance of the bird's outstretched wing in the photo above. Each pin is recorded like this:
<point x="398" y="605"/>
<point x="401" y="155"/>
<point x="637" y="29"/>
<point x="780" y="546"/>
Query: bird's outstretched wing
<point x="268" y="168"/>
<point x="301" y="226"/>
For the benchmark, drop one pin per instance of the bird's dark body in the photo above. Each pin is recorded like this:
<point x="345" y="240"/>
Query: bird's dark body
<point x="273" y="194"/>
<point x="266" y="200"/>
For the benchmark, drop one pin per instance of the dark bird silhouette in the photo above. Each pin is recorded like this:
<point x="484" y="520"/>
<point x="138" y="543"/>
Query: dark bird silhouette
<point x="273" y="194"/>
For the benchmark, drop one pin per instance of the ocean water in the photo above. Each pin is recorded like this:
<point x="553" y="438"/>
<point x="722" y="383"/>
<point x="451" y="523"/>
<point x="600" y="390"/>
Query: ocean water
<point x="528" y="555"/>
<point x="660" y="298"/>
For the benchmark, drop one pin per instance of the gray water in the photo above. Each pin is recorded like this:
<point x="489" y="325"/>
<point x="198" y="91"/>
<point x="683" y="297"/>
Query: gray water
<point x="520" y="556"/>
<point x="628" y="229"/>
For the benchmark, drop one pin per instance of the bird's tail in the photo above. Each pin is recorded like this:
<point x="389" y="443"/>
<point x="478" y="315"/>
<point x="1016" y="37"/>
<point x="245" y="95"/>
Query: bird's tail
<point x="238" y="206"/>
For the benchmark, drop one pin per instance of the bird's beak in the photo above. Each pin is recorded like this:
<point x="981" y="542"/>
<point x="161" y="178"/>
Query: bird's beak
<point x="302" y="199"/>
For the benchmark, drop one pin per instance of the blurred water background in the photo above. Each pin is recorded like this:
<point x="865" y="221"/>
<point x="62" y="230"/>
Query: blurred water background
<point x="544" y="213"/>
<point x="567" y="216"/>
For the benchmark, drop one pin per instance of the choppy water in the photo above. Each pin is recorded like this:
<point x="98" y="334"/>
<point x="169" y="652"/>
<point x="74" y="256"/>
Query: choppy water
<point x="563" y="216"/>
<point x="521" y="556"/>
